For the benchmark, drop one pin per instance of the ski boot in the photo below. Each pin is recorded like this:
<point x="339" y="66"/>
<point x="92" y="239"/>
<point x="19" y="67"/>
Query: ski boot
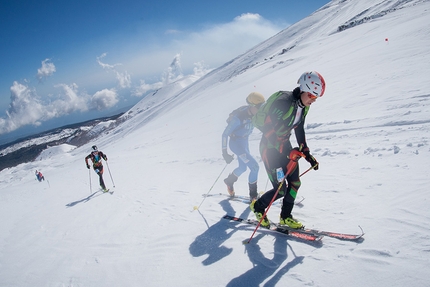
<point x="265" y="222"/>
<point x="229" y="181"/>
<point x="253" y="194"/>
<point x="290" y="222"/>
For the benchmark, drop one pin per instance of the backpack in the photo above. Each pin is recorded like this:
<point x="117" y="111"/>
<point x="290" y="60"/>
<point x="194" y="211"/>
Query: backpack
<point x="241" y="113"/>
<point x="259" y="119"/>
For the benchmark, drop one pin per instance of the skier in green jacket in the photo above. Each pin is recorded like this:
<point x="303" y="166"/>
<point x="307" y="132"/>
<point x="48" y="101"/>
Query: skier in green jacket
<point x="287" y="112"/>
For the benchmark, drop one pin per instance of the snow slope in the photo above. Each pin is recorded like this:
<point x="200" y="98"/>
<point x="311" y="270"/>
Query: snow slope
<point x="370" y="133"/>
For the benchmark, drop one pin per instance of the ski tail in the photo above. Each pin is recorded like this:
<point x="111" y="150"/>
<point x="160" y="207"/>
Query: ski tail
<point x="298" y="234"/>
<point x="337" y="235"/>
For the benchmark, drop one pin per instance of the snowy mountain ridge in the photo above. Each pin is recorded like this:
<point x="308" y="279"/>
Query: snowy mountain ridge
<point x="27" y="149"/>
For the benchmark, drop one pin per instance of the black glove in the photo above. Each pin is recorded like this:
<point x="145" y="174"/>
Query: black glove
<point x="88" y="166"/>
<point x="228" y="158"/>
<point x="311" y="159"/>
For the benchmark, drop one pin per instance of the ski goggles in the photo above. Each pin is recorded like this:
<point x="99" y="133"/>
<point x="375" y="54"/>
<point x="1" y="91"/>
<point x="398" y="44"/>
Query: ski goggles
<point x="312" y="97"/>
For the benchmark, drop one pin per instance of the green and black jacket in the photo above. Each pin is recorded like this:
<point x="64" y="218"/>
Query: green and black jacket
<point x="280" y="120"/>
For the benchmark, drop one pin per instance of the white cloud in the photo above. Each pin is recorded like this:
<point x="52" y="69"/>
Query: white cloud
<point x="46" y="70"/>
<point x="143" y="88"/>
<point x="173" y="72"/>
<point x="214" y="44"/>
<point x="70" y="101"/>
<point x="200" y="69"/>
<point x="248" y="17"/>
<point x="228" y="40"/>
<point x="104" y="99"/>
<point x="25" y="108"/>
<point x="124" y="78"/>
<point x="103" y="65"/>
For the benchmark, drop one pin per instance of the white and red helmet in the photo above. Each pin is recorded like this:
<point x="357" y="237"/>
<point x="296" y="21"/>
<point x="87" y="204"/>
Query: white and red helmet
<point x="312" y="82"/>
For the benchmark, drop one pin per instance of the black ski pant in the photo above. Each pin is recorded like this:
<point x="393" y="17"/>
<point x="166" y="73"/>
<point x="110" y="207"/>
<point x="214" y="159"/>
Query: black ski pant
<point x="99" y="171"/>
<point x="273" y="159"/>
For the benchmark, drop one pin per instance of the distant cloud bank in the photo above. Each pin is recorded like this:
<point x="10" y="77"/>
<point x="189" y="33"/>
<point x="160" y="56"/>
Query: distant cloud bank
<point x="28" y="108"/>
<point x="211" y="45"/>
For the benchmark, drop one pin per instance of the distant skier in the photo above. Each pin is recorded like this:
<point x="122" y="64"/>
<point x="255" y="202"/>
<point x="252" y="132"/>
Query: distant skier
<point x="238" y="130"/>
<point x="39" y="176"/>
<point x="96" y="157"/>
<point x="283" y="113"/>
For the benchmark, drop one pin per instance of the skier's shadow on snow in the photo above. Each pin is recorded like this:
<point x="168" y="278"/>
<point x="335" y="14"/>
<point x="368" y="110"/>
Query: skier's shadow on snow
<point x="71" y="204"/>
<point x="263" y="267"/>
<point x="210" y="242"/>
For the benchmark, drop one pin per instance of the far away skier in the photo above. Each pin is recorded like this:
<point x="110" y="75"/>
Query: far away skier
<point x="96" y="157"/>
<point x="39" y="176"/>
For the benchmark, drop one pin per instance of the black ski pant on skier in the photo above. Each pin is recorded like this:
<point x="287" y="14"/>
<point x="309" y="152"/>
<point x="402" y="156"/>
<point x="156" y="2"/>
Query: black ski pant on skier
<point x="273" y="160"/>
<point x="99" y="171"/>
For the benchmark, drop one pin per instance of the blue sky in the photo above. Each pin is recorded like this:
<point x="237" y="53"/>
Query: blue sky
<point x="68" y="61"/>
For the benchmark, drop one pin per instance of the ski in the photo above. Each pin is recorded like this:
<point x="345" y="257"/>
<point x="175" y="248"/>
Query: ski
<point x="246" y="199"/>
<point x="297" y="233"/>
<point x="107" y="191"/>
<point x="341" y="236"/>
<point x="337" y="235"/>
<point x="239" y="198"/>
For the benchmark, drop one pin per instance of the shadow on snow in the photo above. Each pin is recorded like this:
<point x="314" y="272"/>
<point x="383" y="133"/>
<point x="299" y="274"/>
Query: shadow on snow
<point x="211" y="242"/>
<point x="94" y="194"/>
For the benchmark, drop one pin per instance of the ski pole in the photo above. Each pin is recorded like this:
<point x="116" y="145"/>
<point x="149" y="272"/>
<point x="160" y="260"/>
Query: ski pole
<point x="110" y="174"/>
<point x="89" y="174"/>
<point x="290" y="167"/>
<point x="197" y="207"/>
<point x="267" y="209"/>
<point x="312" y="167"/>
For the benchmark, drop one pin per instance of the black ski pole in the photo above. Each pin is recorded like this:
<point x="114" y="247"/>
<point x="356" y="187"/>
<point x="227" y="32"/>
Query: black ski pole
<point x="290" y="167"/>
<point x="197" y="207"/>
<point x="89" y="174"/>
<point x="110" y="174"/>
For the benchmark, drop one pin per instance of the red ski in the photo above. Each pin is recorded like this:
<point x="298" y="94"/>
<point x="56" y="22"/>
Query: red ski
<point x="296" y="233"/>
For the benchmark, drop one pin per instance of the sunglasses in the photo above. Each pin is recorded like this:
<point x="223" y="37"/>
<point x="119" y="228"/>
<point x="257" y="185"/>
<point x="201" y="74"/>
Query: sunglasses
<point x="312" y="97"/>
